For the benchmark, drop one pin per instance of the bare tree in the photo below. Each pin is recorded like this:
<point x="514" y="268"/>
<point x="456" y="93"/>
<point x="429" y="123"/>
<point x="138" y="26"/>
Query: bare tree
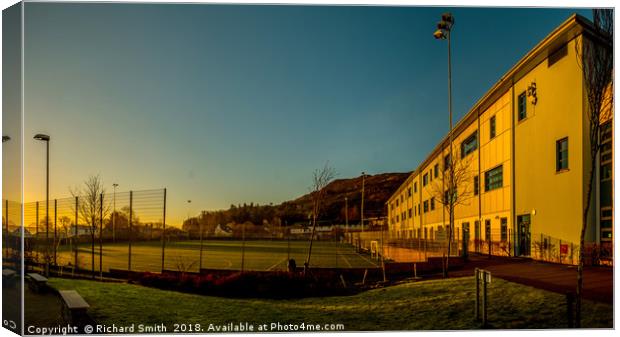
<point x="320" y="179"/>
<point x="65" y="224"/>
<point x="453" y="188"/>
<point x="596" y="59"/>
<point x="91" y="207"/>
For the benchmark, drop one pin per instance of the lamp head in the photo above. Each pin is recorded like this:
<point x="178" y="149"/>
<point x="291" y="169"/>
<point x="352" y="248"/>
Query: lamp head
<point x="447" y="17"/>
<point x="42" y="137"/>
<point x="5" y="138"/>
<point x="439" y="35"/>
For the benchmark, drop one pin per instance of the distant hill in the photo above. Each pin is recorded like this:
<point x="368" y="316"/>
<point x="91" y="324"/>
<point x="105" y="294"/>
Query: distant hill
<point x="377" y="189"/>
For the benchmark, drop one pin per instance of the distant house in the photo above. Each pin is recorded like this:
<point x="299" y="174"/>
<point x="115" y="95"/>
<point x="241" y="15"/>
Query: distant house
<point x="223" y="231"/>
<point x="27" y="234"/>
<point x="81" y="230"/>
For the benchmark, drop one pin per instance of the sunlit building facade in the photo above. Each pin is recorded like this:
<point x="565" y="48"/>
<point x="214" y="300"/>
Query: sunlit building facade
<point x="522" y="162"/>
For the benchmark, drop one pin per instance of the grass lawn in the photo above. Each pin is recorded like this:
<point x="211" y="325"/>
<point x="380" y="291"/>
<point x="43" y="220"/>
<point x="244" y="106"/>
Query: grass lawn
<point x="218" y="254"/>
<point x="434" y="304"/>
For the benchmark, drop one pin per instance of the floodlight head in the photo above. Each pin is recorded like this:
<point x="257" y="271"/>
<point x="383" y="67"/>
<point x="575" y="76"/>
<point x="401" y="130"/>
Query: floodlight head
<point x="447" y="17"/>
<point x="5" y="138"/>
<point x="439" y="35"/>
<point x="42" y="137"/>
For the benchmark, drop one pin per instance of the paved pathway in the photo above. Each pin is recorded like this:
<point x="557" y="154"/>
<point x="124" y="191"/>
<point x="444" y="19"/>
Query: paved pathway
<point x="597" y="281"/>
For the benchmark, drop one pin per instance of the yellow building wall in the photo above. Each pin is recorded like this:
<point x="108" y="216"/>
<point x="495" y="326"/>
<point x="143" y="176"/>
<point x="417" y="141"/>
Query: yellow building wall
<point x="554" y="199"/>
<point x="496" y="151"/>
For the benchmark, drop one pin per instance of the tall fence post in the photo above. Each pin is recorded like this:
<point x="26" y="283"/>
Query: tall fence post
<point x="36" y="230"/>
<point x="55" y="231"/>
<point x="130" y="229"/>
<point x="201" y="242"/>
<point x="75" y="238"/>
<point x="163" y="235"/>
<point x="101" y="236"/>
<point x="242" y="247"/>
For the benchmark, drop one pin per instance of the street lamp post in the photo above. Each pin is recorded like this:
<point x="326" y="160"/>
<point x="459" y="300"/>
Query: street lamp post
<point x="6" y="207"/>
<point x="188" y="205"/>
<point x="46" y="139"/>
<point x="444" y="32"/>
<point x="346" y="215"/>
<point x="115" y="185"/>
<point x="362" y="208"/>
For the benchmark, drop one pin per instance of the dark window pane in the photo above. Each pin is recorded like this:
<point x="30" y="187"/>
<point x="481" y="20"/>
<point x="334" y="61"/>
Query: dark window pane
<point x="561" y="154"/>
<point x="522" y="108"/>
<point x="493" y="178"/>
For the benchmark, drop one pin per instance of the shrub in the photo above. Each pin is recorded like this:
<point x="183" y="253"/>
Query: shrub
<point x="249" y="284"/>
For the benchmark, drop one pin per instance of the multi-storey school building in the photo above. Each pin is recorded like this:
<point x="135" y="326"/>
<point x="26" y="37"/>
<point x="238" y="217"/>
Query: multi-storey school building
<point x="525" y="147"/>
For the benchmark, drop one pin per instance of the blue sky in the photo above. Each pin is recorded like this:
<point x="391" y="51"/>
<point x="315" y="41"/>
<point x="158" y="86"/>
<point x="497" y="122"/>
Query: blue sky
<point x="228" y="104"/>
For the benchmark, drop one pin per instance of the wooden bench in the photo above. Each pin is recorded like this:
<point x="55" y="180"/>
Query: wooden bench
<point x="8" y="277"/>
<point x="74" y="306"/>
<point x="37" y="282"/>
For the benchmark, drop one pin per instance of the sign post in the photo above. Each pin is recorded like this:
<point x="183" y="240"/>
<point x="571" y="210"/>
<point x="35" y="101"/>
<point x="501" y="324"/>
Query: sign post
<point x="485" y="277"/>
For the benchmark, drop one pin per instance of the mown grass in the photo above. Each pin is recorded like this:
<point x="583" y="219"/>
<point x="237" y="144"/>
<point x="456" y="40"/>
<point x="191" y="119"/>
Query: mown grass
<point x="217" y="254"/>
<point x="436" y="304"/>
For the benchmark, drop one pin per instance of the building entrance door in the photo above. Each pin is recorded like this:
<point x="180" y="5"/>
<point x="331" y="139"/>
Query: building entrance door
<point x="477" y="236"/>
<point x="465" y="247"/>
<point x="523" y="226"/>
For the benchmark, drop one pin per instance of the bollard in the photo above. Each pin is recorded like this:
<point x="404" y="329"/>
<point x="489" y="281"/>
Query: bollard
<point x="570" y="301"/>
<point x="477" y="307"/>
<point x="364" y="279"/>
<point x="484" y="299"/>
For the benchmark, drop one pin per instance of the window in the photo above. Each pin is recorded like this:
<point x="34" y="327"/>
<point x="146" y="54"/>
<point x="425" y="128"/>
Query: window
<point x="436" y="170"/>
<point x="425" y="179"/>
<point x="492" y="128"/>
<point x="522" y="106"/>
<point x="430" y="173"/>
<point x="487" y="229"/>
<point x="606" y="132"/>
<point x="476" y="185"/>
<point x="397" y="218"/>
<point x="504" y="228"/>
<point x="493" y="178"/>
<point x="410" y="213"/>
<point x="425" y="206"/>
<point x="446" y="162"/>
<point x="606" y="172"/>
<point x="409" y="192"/>
<point x="432" y="204"/>
<point x="396" y="202"/>
<point x="415" y="187"/>
<point x="561" y="155"/>
<point x="469" y="145"/>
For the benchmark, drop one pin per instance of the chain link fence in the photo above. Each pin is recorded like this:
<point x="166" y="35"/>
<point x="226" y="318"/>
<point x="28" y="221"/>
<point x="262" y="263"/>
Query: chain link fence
<point x="495" y="242"/>
<point x="94" y="234"/>
<point x="115" y="234"/>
